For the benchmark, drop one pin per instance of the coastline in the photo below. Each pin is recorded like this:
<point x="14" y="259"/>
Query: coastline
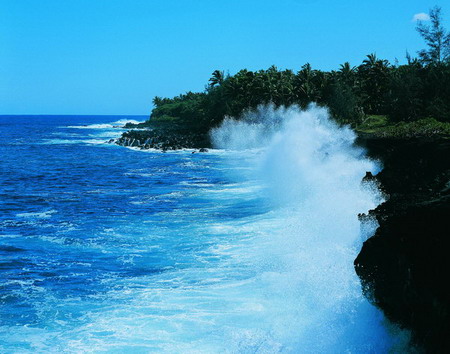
<point x="403" y="266"/>
<point x="163" y="136"/>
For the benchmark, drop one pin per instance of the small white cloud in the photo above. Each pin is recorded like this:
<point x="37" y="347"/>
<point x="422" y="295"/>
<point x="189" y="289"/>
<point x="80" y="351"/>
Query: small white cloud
<point x="421" y="17"/>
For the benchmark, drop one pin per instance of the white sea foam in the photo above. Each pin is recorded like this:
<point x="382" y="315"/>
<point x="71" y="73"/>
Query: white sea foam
<point x="38" y="215"/>
<point x="125" y="121"/>
<point x="94" y="141"/>
<point x="59" y="141"/>
<point x="305" y="254"/>
<point x="91" y="126"/>
<point x="73" y="141"/>
<point x="117" y="124"/>
<point x="279" y="279"/>
<point x="107" y="134"/>
<point x="102" y="132"/>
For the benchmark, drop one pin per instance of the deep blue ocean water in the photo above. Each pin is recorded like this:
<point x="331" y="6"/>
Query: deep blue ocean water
<point x="109" y="249"/>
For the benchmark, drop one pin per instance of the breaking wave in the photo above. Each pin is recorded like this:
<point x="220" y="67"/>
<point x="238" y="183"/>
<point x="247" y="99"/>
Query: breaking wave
<point x="312" y="172"/>
<point x="117" y="124"/>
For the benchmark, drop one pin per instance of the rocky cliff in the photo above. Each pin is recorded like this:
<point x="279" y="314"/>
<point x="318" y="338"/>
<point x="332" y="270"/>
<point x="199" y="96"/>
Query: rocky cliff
<point x="405" y="266"/>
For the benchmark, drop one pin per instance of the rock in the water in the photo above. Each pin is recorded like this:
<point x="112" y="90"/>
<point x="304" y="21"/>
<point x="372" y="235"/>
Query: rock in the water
<point x="368" y="177"/>
<point x="171" y="139"/>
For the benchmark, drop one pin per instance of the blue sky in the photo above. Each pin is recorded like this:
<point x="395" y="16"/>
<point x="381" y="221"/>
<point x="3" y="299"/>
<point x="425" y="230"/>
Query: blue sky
<point x="114" y="56"/>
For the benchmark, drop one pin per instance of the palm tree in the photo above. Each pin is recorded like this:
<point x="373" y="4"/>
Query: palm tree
<point x="347" y="72"/>
<point x="217" y="78"/>
<point x="307" y="80"/>
<point x="374" y="80"/>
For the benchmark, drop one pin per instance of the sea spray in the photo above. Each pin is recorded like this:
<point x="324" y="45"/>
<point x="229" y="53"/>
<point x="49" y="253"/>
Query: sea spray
<point x="313" y="171"/>
<point x="234" y="251"/>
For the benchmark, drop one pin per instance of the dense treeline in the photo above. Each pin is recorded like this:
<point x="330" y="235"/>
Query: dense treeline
<point x="419" y="89"/>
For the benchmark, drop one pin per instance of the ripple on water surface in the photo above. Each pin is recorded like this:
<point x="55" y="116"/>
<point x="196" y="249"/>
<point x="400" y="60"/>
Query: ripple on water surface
<point x="110" y="249"/>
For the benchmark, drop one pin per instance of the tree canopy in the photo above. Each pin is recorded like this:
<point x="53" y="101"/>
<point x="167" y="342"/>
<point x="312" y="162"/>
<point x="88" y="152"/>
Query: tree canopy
<point x="419" y="89"/>
<point x="436" y="37"/>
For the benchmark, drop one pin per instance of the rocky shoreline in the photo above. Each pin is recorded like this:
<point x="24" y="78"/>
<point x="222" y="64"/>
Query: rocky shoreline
<point x="404" y="267"/>
<point x="164" y="139"/>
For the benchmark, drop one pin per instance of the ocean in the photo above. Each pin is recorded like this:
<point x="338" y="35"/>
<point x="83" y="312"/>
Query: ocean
<point x="247" y="248"/>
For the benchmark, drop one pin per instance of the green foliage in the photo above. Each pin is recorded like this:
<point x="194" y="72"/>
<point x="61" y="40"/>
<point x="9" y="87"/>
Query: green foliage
<point x="216" y="78"/>
<point x="184" y="109"/>
<point x="373" y="78"/>
<point x="436" y="38"/>
<point x="373" y="123"/>
<point x="354" y="94"/>
<point x="422" y="127"/>
<point x="405" y="99"/>
<point x="403" y="93"/>
<point x="381" y="126"/>
<point x="437" y="91"/>
<point x="344" y="104"/>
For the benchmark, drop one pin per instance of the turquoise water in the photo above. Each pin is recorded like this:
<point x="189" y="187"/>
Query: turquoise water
<point x="109" y="249"/>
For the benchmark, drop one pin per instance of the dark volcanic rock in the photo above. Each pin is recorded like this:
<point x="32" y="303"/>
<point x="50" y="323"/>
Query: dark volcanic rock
<point x="405" y="266"/>
<point x="164" y="139"/>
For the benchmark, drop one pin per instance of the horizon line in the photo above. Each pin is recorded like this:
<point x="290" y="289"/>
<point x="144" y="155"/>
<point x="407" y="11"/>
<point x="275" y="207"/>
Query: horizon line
<point x="70" y="115"/>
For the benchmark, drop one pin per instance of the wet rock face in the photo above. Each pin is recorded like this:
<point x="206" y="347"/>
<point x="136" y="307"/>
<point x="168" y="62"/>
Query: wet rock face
<point x="405" y="267"/>
<point x="163" y="140"/>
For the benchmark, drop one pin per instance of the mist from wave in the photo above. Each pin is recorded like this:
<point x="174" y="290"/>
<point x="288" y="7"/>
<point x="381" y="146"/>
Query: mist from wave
<point x="248" y="248"/>
<point x="312" y="172"/>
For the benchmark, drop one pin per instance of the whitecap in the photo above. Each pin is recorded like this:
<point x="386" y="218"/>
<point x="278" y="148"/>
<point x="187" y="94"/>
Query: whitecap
<point x="91" y="126"/>
<point x="113" y="125"/>
<point x="38" y="215"/>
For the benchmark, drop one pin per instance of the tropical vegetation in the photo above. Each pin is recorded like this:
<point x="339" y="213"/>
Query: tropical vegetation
<point x="416" y="91"/>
